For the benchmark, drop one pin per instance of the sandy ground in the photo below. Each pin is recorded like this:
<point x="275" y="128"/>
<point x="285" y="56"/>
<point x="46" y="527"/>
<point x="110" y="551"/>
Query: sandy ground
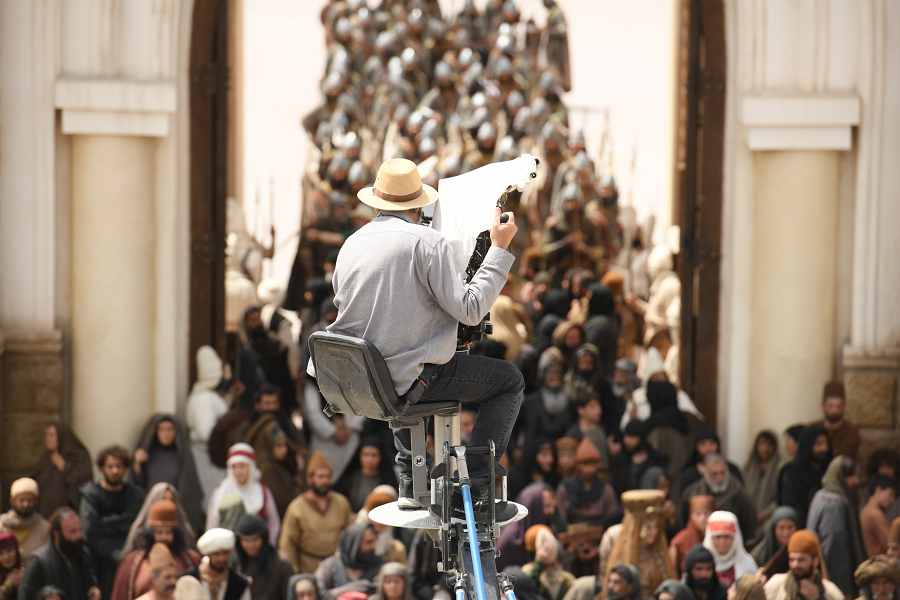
<point x="621" y="53"/>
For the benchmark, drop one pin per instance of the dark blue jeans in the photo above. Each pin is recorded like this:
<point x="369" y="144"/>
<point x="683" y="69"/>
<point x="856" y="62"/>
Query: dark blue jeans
<point x="493" y="387"/>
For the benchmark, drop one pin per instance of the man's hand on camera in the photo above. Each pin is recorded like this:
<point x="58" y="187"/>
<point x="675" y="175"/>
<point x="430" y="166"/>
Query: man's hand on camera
<point x="503" y="233"/>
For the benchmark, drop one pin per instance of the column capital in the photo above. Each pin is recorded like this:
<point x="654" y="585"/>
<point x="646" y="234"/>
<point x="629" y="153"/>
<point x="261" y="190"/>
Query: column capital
<point x="115" y="106"/>
<point x="800" y="121"/>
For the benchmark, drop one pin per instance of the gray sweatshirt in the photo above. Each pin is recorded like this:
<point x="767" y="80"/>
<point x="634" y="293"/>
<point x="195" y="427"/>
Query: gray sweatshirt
<point x="397" y="286"/>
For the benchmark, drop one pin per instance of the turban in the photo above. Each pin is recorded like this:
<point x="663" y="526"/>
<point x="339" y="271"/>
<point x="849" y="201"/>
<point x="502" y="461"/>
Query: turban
<point x="22" y="486"/>
<point x="895" y="531"/>
<point x="317" y="461"/>
<point x="189" y="588"/>
<point x="214" y="540"/>
<point x="586" y="452"/>
<point x="531" y="535"/>
<point x="804" y="541"/>
<point x="160" y="557"/>
<point x="566" y="443"/>
<point x="701" y="501"/>
<point x="878" y="566"/>
<point x="163" y="513"/>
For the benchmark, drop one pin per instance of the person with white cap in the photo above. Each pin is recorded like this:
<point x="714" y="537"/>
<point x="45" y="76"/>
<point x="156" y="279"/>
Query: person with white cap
<point x="218" y="580"/>
<point x="243" y="479"/>
<point x="396" y="276"/>
<point x="30" y="528"/>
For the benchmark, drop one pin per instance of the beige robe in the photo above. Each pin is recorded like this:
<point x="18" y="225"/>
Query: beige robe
<point x="774" y="589"/>
<point x="308" y="536"/>
<point x="31" y="536"/>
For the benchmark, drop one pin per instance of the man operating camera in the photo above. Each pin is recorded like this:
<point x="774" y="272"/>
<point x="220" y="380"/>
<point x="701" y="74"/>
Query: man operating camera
<point x="397" y="286"/>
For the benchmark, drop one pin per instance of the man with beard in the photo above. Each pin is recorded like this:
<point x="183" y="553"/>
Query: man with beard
<point x="219" y="582"/>
<point x="134" y="576"/>
<point x="314" y="521"/>
<point x="163" y="574"/>
<point x="636" y="456"/>
<point x="700" y="575"/>
<point x="844" y="435"/>
<point x="356" y="565"/>
<point x="31" y="529"/>
<point x="802" y="477"/>
<point x="107" y="510"/>
<point x="804" y="580"/>
<point x="272" y="353"/>
<point x="61" y="562"/>
<point x="719" y="482"/>
<point x="833" y="516"/>
<point x="878" y="579"/>
<point x="585" y="498"/>
<point x="624" y="583"/>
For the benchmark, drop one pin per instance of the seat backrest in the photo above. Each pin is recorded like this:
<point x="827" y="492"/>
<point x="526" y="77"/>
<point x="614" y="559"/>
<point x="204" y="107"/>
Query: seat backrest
<point x="353" y="377"/>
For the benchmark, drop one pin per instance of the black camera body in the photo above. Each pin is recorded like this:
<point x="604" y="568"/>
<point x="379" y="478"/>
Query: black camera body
<point x="466" y="334"/>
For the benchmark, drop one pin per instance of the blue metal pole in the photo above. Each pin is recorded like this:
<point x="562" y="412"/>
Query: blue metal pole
<point x="510" y="595"/>
<point x="473" y="541"/>
<point x="460" y="594"/>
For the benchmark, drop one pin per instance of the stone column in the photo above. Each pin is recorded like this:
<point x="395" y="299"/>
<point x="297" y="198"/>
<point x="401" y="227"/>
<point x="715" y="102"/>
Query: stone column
<point x="113" y="286"/>
<point x="794" y="277"/>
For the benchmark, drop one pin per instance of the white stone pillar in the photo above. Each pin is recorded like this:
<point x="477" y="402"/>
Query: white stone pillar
<point x="113" y="286"/>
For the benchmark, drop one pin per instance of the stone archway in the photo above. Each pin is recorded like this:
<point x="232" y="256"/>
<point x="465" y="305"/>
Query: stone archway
<point x="208" y="147"/>
<point x="699" y="178"/>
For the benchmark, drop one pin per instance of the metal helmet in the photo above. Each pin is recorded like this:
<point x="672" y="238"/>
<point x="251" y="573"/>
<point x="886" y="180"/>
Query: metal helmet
<point x="463" y="39"/>
<point x="385" y="40"/>
<point x="451" y="166"/>
<point x="515" y="100"/>
<point x="465" y="57"/>
<point x="582" y="162"/>
<point x="539" y="108"/>
<point x="401" y="30"/>
<point x="339" y="120"/>
<point x="510" y="8"/>
<point x="364" y="17"/>
<point x="427" y="145"/>
<point x="409" y="58"/>
<point x="332" y="83"/>
<point x="323" y="131"/>
<point x="577" y="138"/>
<point x="358" y="173"/>
<point x="339" y="162"/>
<point x="486" y="132"/>
<point x="479" y="99"/>
<point x="416" y="119"/>
<point x="415" y="17"/>
<point x="401" y="113"/>
<point x="442" y="71"/>
<point x="505" y="44"/>
<point x="431" y="129"/>
<point x="343" y="26"/>
<point x="502" y="67"/>
<point x="347" y="103"/>
<point x="506" y="149"/>
<point x="355" y="5"/>
<point x="479" y="117"/>
<point x="547" y="81"/>
<point x="570" y="192"/>
<point x="522" y="120"/>
<point x="548" y="131"/>
<point x="351" y="142"/>
<point x="608" y="181"/>
<point x="436" y="28"/>
<point x="473" y="73"/>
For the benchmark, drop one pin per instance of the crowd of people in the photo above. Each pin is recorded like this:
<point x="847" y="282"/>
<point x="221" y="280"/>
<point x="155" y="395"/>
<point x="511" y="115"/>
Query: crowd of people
<point x="256" y="494"/>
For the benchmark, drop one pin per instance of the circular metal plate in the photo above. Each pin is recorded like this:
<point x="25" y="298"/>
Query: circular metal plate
<point x="391" y="514"/>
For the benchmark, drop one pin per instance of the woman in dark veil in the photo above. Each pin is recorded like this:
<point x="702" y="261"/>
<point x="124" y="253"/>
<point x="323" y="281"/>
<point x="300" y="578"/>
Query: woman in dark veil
<point x="64" y="465"/>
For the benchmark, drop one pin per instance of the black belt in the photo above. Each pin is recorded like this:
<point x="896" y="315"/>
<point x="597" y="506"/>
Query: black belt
<point x="414" y="394"/>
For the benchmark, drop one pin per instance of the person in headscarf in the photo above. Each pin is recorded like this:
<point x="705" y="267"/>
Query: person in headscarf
<point x="529" y="354"/>
<point x="11" y="566"/>
<point x="243" y="479"/>
<point x="672" y="589"/>
<point x="203" y="410"/>
<point x="273" y="348"/>
<point x="782" y="525"/>
<point x="642" y="542"/>
<point x="726" y="488"/>
<point x="134" y="575"/>
<point x="354" y="567"/>
<point x="668" y="427"/>
<point x="538" y="465"/>
<point x="267" y="569"/>
<point x="761" y="479"/>
<point x="276" y="458"/>
<point x="567" y="337"/>
<point x="801" y="478"/>
<point x="706" y="442"/>
<point x="585" y="498"/>
<point x="725" y="542"/>
<point x="548" y="411"/>
<point x="806" y="578"/>
<point x="624" y="583"/>
<point x="163" y="455"/>
<point x="62" y="468"/>
<point x="392" y="583"/>
<point x="700" y="575"/>
<point x="878" y="579"/>
<point x="635" y="457"/>
<point x="30" y="528"/>
<point x="386" y="546"/>
<point x="701" y="507"/>
<point x="160" y="491"/>
<point x="303" y="587"/>
<point x="546" y="570"/>
<point x="368" y="470"/>
<point x="539" y="501"/>
<point x="583" y="374"/>
<point x="602" y="327"/>
<point x="832" y="515"/>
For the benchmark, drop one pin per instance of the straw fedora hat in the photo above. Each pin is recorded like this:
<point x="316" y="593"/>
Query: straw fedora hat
<point x="398" y="186"/>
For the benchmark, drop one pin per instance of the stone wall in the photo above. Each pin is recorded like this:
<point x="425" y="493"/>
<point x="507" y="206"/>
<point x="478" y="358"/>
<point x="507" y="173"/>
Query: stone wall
<point x="870" y="380"/>
<point x="31" y="397"/>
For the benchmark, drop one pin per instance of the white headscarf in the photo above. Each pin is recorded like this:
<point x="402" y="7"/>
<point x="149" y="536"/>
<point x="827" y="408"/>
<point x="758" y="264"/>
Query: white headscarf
<point x="251" y="493"/>
<point x="209" y="369"/>
<point x="723" y="522"/>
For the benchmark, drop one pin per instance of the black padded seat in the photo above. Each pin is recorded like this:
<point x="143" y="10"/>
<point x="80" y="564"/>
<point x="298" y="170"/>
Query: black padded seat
<point x="355" y="380"/>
